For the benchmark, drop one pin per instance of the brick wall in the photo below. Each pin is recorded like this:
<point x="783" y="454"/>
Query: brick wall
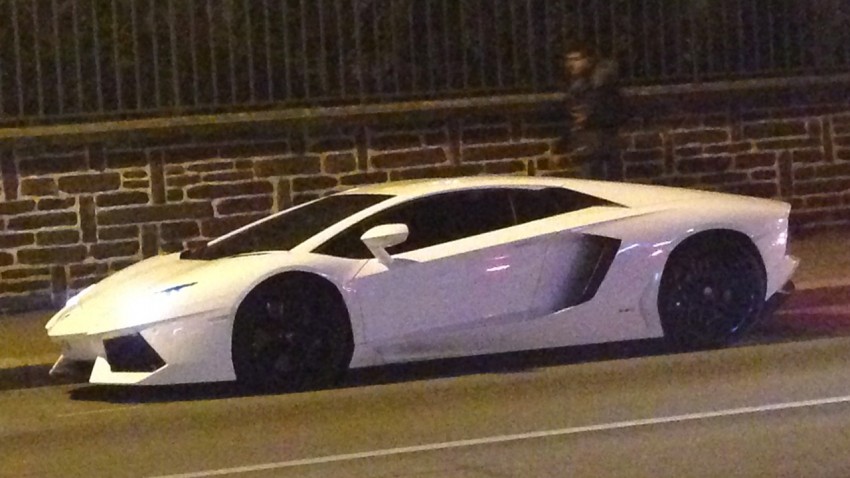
<point x="75" y="208"/>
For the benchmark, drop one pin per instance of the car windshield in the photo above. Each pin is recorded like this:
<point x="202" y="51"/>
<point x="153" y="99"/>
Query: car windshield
<point x="287" y="230"/>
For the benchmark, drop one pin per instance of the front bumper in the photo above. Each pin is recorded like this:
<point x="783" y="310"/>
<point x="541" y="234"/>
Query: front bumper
<point x="183" y="350"/>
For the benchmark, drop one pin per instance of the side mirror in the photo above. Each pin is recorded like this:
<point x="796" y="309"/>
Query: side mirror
<point x="379" y="238"/>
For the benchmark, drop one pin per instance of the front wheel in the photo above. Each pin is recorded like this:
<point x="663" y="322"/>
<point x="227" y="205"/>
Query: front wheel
<point x="712" y="288"/>
<point x="289" y="342"/>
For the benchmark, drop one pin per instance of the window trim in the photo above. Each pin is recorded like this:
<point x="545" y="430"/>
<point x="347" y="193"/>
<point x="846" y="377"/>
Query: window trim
<point x="509" y="190"/>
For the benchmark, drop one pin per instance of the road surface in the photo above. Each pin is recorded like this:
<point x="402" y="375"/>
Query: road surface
<point x="771" y="407"/>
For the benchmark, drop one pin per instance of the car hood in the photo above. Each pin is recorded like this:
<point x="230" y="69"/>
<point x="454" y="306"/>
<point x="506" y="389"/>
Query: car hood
<point x="166" y="287"/>
<point x="147" y="276"/>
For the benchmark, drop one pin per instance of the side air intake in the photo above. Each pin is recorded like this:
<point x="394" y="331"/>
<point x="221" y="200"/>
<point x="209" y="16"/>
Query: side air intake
<point x="598" y="253"/>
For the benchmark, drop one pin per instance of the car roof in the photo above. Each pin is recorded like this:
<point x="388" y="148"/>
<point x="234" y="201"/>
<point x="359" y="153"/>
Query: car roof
<point x="625" y="194"/>
<point x="420" y="187"/>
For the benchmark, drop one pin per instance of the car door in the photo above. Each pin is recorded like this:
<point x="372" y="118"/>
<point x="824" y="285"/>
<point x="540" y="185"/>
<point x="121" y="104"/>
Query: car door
<point x="464" y="268"/>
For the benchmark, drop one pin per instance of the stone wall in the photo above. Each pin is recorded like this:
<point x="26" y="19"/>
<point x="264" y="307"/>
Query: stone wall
<point x="76" y="207"/>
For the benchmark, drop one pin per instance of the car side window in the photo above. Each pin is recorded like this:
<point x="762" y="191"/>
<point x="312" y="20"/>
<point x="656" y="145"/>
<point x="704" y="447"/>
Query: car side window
<point x="533" y="204"/>
<point x="431" y="220"/>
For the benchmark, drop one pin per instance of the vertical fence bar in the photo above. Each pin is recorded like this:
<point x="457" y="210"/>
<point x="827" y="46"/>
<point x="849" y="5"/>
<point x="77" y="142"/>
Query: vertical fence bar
<point x="514" y="46"/>
<point x="771" y="53"/>
<point x="482" y="56"/>
<point x="57" y="64"/>
<point x="696" y="51"/>
<point x="395" y="49"/>
<point x="662" y="41"/>
<point x="175" y="62"/>
<point x="249" y="49"/>
<point x="39" y="86"/>
<point x="597" y="26"/>
<point x="231" y="53"/>
<point x="707" y="21"/>
<point x="530" y="44"/>
<point x="137" y="60"/>
<point x="677" y="18"/>
<point x="614" y="37"/>
<point x="358" y="45"/>
<point x="724" y="36"/>
<point x="396" y="60"/>
<point x="16" y="32"/>
<point x="2" y="83"/>
<point x="154" y="51"/>
<point x="286" y="59"/>
<point x="323" y="51"/>
<point x="497" y="15"/>
<point x="786" y="38"/>
<point x="305" y="50"/>
<point x="96" y="50"/>
<point x="801" y="38"/>
<point x="846" y="41"/>
<point x="812" y="40"/>
<point x="740" y="45"/>
<point x="630" y="39"/>
<point x="429" y="42"/>
<point x="548" y="39"/>
<point x="579" y="18"/>
<point x="211" y="32"/>
<point x="119" y="94"/>
<point x="268" y="40"/>
<point x="411" y="49"/>
<point x="565" y="23"/>
<point x="447" y="68"/>
<point x="479" y="42"/>
<point x="343" y="78"/>
<point x="75" y="21"/>
<point x="193" y="53"/>
<point x="464" y="45"/>
<point x="377" y="61"/>
<point x="647" y="52"/>
<point x="756" y="44"/>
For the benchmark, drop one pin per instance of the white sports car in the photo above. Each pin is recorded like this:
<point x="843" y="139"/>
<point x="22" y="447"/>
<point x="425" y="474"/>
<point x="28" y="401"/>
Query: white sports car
<point x="431" y="269"/>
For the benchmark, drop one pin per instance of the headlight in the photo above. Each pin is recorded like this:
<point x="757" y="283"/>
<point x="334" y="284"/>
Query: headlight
<point x="79" y="295"/>
<point x="69" y="304"/>
<point x="176" y="288"/>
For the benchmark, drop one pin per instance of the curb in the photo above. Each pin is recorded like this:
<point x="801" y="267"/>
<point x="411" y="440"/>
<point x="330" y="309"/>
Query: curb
<point x="27" y="376"/>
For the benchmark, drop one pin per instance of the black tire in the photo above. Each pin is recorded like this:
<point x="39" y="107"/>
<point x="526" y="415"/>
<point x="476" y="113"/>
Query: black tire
<point x="712" y="289"/>
<point x="291" y="336"/>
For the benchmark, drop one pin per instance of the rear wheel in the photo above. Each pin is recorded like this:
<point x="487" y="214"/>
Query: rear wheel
<point x="290" y="338"/>
<point x="712" y="288"/>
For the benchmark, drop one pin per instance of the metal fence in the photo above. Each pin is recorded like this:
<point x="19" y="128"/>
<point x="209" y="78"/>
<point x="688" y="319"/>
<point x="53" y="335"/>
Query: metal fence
<point x="62" y="60"/>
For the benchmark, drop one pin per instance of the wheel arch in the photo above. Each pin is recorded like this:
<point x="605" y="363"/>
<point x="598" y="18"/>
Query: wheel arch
<point x="720" y="234"/>
<point x="313" y="282"/>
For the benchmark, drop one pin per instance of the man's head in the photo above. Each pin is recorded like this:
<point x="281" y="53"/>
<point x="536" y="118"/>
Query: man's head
<point x="578" y="58"/>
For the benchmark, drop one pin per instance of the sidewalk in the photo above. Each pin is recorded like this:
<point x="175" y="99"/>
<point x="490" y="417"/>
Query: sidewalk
<point x="26" y="352"/>
<point x="824" y="258"/>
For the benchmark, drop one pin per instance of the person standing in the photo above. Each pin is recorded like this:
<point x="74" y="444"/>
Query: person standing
<point x="595" y="109"/>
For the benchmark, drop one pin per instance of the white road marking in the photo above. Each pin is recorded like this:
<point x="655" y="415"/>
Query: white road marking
<point x="99" y="410"/>
<point x="510" y="438"/>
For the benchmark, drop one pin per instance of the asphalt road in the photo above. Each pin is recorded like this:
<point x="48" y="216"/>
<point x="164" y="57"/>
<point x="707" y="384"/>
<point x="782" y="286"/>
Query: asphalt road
<point x="772" y="409"/>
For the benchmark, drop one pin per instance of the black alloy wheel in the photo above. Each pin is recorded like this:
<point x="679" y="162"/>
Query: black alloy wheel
<point x="284" y="341"/>
<point x="712" y="289"/>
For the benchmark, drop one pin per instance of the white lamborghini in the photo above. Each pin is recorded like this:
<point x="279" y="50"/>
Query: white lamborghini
<point x="432" y="269"/>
